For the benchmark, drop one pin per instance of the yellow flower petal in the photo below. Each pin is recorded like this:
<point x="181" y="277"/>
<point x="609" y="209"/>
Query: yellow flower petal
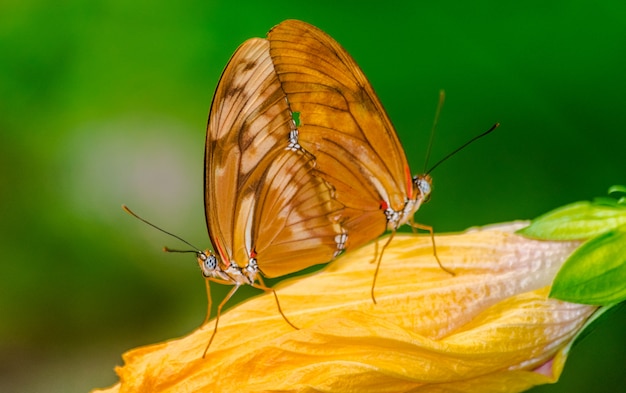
<point x="485" y="329"/>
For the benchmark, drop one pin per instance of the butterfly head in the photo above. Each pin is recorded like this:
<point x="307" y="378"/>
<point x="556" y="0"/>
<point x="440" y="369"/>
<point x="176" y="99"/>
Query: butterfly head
<point x="422" y="185"/>
<point x="208" y="263"/>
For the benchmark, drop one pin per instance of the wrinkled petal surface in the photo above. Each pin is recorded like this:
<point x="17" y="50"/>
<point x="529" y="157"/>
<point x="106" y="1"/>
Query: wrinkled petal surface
<point x="488" y="328"/>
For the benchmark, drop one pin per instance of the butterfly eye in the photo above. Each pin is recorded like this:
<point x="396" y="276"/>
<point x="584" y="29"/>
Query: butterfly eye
<point x="423" y="184"/>
<point x="209" y="264"/>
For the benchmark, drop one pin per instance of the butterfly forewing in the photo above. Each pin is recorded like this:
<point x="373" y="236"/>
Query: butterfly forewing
<point x="262" y="199"/>
<point x="237" y="110"/>
<point x="343" y="125"/>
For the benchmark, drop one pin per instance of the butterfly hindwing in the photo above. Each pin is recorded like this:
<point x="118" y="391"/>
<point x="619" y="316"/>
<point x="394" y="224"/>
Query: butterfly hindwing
<point x="299" y="222"/>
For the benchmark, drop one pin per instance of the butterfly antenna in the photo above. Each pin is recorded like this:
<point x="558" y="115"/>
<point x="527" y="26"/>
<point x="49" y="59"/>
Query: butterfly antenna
<point x="442" y="99"/>
<point x="167" y="249"/>
<point x="493" y="127"/>
<point x="132" y="213"/>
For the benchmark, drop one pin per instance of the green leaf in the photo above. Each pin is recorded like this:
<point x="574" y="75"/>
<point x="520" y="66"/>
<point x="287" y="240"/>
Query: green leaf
<point x="619" y="190"/>
<point x="580" y="220"/>
<point x="596" y="272"/>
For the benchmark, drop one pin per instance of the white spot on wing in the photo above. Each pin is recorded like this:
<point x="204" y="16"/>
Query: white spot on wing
<point x="248" y="203"/>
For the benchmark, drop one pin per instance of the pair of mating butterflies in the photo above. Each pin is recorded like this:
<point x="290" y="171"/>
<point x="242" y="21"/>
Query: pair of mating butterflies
<point x="301" y="162"/>
<point x="283" y="193"/>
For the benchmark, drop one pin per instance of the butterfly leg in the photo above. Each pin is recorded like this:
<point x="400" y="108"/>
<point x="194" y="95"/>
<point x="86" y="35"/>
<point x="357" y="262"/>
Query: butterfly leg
<point x="208" y="294"/>
<point x="219" y="312"/>
<point x="261" y="285"/>
<point x="378" y="259"/>
<point x="209" y="301"/>
<point x="432" y="238"/>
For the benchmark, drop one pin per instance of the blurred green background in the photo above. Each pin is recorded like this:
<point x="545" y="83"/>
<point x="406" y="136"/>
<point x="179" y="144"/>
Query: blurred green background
<point x="105" y="102"/>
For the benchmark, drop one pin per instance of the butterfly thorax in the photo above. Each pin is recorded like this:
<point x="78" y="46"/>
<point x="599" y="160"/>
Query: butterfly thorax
<point x="397" y="218"/>
<point x="249" y="273"/>
<point x="422" y="185"/>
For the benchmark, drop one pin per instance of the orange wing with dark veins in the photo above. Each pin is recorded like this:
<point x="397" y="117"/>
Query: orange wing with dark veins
<point x="343" y="125"/>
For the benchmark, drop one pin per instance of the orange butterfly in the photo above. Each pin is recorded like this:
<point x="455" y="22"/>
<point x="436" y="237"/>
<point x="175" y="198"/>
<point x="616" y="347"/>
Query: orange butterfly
<point x="344" y="125"/>
<point x="346" y="128"/>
